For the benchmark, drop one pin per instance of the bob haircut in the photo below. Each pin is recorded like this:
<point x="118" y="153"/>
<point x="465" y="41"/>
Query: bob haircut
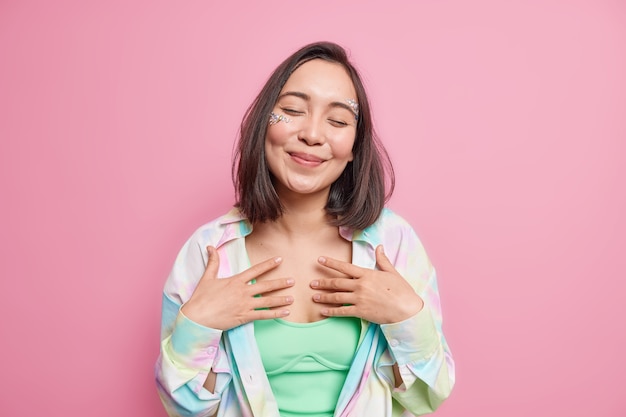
<point x="357" y="197"/>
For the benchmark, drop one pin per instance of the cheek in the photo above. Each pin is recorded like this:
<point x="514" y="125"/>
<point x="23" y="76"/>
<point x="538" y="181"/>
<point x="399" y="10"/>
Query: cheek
<point x="271" y="138"/>
<point x="342" y="148"/>
<point x="277" y="134"/>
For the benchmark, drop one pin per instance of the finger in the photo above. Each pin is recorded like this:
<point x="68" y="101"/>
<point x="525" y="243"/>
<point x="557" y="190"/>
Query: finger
<point x="271" y="285"/>
<point x="259" y="269"/>
<point x="268" y="314"/>
<point x="338" y="298"/>
<point x="213" y="264"/>
<point x="382" y="261"/>
<point x="337" y="284"/>
<point x="272" y="302"/>
<point x="343" y="267"/>
<point x="343" y="311"/>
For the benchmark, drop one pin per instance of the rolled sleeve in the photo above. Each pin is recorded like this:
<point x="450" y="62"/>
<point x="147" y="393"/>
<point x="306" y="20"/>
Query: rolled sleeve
<point x="413" y="339"/>
<point x="193" y="346"/>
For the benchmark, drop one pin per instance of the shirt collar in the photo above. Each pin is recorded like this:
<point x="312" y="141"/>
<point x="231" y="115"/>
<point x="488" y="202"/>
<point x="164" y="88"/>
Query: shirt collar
<point x="235" y="216"/>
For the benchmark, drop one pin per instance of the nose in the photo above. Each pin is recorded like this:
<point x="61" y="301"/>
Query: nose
<point x="312" y="131"/>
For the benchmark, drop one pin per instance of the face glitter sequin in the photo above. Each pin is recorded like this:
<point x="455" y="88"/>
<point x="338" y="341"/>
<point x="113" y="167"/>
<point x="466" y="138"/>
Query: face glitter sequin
<point x="355" y="107"/>
<point x="275" y="118"/>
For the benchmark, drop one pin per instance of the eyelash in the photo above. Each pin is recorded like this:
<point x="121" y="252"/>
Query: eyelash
<point x="338" y="122"/>
<point x="292" y="112"/>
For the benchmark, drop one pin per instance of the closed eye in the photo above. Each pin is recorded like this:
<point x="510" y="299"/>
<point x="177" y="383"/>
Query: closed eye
<point x="337" y="123"/>
<point x="291" y="112"/>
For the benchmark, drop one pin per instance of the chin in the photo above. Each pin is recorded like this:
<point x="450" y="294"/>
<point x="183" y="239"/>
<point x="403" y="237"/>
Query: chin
<point x="307" y="189"/>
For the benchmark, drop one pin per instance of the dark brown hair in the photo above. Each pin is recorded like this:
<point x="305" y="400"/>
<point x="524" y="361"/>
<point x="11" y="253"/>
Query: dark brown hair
<point x="357" y="197"/>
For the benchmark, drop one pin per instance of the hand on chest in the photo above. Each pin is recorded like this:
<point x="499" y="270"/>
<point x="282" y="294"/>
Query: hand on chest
<point x="300" y="263"/>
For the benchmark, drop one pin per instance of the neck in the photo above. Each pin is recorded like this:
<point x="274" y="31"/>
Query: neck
<point x="302" y="222"/>
<point x="303" y="214"/>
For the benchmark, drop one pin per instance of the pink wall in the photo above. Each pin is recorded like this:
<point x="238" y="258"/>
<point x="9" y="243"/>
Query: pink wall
<point x="505" y="120"/>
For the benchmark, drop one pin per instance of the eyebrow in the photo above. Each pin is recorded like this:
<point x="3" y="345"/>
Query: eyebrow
<point x="306" y="97"/>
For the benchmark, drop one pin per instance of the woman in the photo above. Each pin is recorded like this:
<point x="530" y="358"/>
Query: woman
<point x="309" y="298"/>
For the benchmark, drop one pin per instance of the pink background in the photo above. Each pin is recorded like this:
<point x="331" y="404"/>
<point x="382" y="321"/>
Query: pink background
<point x="506" y="122"/>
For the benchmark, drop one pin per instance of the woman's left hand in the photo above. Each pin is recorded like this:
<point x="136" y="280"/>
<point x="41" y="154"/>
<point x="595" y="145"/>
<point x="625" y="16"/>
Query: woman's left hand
<point x="379" y="296"/>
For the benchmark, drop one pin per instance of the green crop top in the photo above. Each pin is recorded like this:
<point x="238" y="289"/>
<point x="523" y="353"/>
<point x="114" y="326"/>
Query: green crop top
<point x="307" y="363"/>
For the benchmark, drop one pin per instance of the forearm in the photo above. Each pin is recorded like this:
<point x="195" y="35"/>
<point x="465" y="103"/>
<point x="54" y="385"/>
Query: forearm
<point x="185" y="379"/>
<point x="188" y="398"/>
<point x="396" y="375"/>
<point x="423" y="370"/>
<point x="209" y="384"/>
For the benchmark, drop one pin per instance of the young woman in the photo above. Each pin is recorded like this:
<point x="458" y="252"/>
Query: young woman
<point x="309" y="298"/>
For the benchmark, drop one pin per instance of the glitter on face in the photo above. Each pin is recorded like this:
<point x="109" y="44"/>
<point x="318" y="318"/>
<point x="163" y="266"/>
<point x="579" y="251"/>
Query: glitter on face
<point x="355" y="107"/>
<point x="275" y="118"/>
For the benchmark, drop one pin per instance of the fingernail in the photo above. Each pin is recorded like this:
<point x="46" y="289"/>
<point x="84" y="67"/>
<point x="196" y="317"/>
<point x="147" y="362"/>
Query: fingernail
<point x="290" y="281"/>
<point x="382" y="250"/>
<point x="324" y="311"/>
<point x="321" y="260"/>
<point x="315" y="283"/>
<point x="278" y="259"/>
<point x="284" y="313"/>
<point x="289" y="299"/>
<point x="316" y="297"/>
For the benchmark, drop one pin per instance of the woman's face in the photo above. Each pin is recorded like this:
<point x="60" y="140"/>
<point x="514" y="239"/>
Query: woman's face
<point x="312" y="129"/>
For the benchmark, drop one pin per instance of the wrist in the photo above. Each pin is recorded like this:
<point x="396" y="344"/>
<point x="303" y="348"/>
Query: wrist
<point x="406" y="309"/>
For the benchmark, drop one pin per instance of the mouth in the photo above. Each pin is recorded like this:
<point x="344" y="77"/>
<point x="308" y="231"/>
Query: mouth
<point x="306" y="159"/>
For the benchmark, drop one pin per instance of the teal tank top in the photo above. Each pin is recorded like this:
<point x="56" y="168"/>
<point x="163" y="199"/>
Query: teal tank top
<point x="307" y="363"/>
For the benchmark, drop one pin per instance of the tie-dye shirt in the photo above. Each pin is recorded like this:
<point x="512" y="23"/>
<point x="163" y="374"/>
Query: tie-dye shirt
<point x="189" y="350"/>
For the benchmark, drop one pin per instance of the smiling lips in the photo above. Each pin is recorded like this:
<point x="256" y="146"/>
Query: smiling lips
<point x="306" y="159"/>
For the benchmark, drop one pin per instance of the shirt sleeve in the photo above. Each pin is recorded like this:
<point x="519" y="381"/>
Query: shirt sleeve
<point x="189" y="351"/>
<point x="417" y="345"/>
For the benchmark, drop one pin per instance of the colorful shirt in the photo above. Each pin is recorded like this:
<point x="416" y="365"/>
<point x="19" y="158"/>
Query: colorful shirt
<point x="189" y="351"/>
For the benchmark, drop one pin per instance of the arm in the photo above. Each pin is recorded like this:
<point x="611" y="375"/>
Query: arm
<point x="193" y="371"/>
<point x="417" y="345"/>
<point x="422" y="360"/>
<point x="184" y="365"/>
<point x="189" y="351"/>
<point x="401" y="296"/>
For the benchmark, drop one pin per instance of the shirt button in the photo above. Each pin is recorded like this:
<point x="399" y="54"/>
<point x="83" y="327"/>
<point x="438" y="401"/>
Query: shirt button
<point x="394" y="342"/>
<point x="211" y="350"/>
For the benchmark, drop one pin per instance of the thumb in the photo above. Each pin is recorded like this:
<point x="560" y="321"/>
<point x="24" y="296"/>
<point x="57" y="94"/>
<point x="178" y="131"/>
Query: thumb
<point x="213" y="264"/>
<point x="382" y="261"/>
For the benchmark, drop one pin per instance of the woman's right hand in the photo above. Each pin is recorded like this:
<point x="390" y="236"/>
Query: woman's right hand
<point x="226" y="303"/>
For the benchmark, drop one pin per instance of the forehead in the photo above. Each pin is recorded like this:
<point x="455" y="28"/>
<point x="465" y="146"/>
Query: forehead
<point x="322" y="79"/>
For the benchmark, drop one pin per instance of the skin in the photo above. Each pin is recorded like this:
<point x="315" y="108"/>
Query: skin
<point x="227" y="303"/>
<point x="310" y="152"/>
<point x="296" y="279"/>
<point x="380" y="296"/>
